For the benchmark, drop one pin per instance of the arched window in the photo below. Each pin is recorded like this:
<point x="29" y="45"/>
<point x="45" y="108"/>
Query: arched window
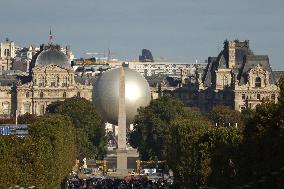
<point x="7" y="52"/>
<point x="64" y="94"/>
<point x="41" y="95"/>
<point x="27" y="94"/>
<point x="41" y="81"/>
<point x="273" y="97"/>
<point x="27" y="107"/>
<point x="224" y="81"/>
<point x="78" y="94"/>
<point x="257" y="82"/>
<point x="64" y="82"/>
<point x="6" y="108"/>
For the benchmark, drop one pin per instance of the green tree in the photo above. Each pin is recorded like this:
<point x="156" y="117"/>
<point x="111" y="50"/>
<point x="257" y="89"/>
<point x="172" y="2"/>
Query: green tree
<point x="151" y="127"/>
<point x="263" y="152"/>
<point x="225" y="146"/>
<point x="43" y="159"/>
<point x="90" y="128"/>
<point x="8" y="161"/>
<point x="187" y="157"/>
<point x="56" y="134"/>
<point x="27" y="118"/>
<point x="225" y="116"/>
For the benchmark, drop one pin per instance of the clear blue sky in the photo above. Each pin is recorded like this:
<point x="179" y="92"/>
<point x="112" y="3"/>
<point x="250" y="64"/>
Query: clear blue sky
<point x="173" y="29"/>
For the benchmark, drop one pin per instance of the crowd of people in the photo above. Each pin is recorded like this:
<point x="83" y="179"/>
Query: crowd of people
<point x="133" y="183"/>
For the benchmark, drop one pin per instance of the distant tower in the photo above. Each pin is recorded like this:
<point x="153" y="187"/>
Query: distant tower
<point x="7" y="49"/>
<point x="68" y="53"/>
<point x="183" y="77"/>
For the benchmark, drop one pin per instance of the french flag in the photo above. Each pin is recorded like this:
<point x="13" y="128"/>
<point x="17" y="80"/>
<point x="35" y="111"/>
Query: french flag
<point x="50" y="35"/>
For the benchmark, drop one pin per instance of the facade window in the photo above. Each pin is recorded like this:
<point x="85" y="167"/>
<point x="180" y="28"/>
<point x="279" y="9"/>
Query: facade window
<point x="7" y="52"/>
<point x="41" y="95"/>
<point x="27" y="107"/>
<point x="64" y="95"/>
<point x="78" y="94"/>
<point x="273" y="96"/>
<point x="27" y="94"/>
<point x="258" y="96"/>
<point x="6" y="108"/>
<point x="257" y="82"/>
<point x="53" y="82"/>
<point x="243" y="96"/>
<point x="41" y="82"/>
<point x="243" y="108"/>
<point x="224" y="81"/>
<point x="64" y="82"/>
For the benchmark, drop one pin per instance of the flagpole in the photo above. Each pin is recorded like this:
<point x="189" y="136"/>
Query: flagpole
<point x="50" y="36"/>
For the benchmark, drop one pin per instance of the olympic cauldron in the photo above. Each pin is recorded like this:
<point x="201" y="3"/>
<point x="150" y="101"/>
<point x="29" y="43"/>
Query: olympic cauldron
<point x="106" y="94"/>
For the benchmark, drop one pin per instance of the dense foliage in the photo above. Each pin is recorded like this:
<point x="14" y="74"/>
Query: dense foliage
<point x="89" y="127"/>
<point x="201" y="154"/>
<point x="42" y="159"/>
<point x="224" y="116"/>
<point x="185" y="156"/>
<point x="151" y="127"/>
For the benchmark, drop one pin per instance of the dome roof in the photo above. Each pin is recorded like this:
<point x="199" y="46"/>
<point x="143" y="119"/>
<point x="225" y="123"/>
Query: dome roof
<point x="52" y="56"/>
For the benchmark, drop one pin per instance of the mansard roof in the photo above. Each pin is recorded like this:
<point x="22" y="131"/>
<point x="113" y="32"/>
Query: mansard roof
<point x="223" y="58"/>
<point x="241" y="53"/>
<point x="245" y="60"/>
<point x="208" y="72"/>
<point x="277" y="75"/>
<point x="250" y="62"/>
<point x="8" y="80"/>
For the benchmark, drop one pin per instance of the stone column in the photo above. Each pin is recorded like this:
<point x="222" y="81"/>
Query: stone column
<point x="121" y="150"/>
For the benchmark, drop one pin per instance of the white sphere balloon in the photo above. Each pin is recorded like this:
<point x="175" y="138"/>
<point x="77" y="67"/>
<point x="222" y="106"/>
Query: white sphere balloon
<point x="106" y="94"/>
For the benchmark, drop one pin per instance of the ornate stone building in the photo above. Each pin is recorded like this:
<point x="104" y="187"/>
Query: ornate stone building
<point x="5" y="100"/>
<point x="7" y="53"/>
<point x="236" y="77"/>
<point x="51" y="79"/>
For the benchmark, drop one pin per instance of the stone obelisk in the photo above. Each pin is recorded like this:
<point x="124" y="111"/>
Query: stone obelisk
<point x="121" y="150"/>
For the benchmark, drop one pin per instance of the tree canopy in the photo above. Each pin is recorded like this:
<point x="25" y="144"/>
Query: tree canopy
<point x="151" y="127"/>
<point x="185" y="156"/>
<point x="89" y="126"/>
<point x="225" y="116"/>
<point x="201" y="154"/>
<point x="43" y="159"/>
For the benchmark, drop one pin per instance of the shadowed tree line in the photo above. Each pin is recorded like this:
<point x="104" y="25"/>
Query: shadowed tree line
<point x="71" y="130"/>
<point x="89" y="126"/>
<point x="43" y="159"/>
<point x="247" y="154"/>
